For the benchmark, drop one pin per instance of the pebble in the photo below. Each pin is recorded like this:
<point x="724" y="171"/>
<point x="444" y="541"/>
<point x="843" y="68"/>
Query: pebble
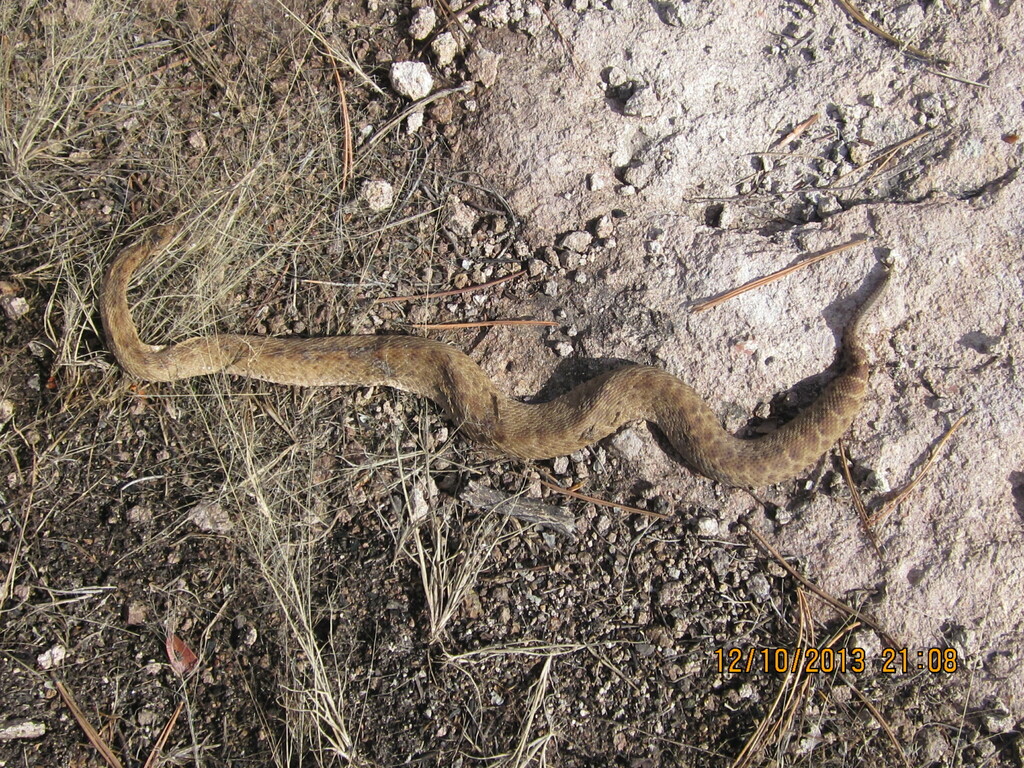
<point x="6" y="410"/>
<point x="670" y="14"/>
<point x="414" y="122"/>
<point x="377" y="194"/>
<point x="14" y="306"/>
<point x="564" y="349"/>
<point x="21" y="729"/>
<point x="560" y="465"/>
<point x="643" y="103"/>
<point x="483" y="66"/>
<point x="707" y="525"/>
<point x="411" y="79"/>
<point x="577" y="241"/>
<point x="52" y="658"/>
<point x="759" y="587"/>
<point x="422" y="23"/>
<point x="616" y="77"/>
<point x="445" y="48"/>
<point x="534" y="267"/>
<point x="211" y="517"/>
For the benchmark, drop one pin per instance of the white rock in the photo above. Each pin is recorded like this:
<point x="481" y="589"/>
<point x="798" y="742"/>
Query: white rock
<point x="577" y="241"/>
<point x="422" y="23"/>
<point x="411" y="79"/>
<point x="414" y="122"/>
<point x="53" y="657"/>
<point x="14" y="306"/>
<point x="377" y="194"/>
<point x="21" y="729"/>
<point x="643" y="103"/>
<point x="211" y="517"/>
<point x="707" y="525"/>
<point x="483" y="65"/>
<point x="445" y="48"/>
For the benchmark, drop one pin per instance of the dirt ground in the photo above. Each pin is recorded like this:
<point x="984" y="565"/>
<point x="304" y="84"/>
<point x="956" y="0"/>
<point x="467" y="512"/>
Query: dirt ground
<point x="224" y="572"/>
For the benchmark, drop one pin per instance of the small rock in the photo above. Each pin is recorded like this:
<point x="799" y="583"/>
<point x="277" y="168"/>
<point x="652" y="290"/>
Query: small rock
<point x="21" y="729"/>
<point x="560" y="465"/>
<point x="483" y="66"/>
<point x="672" y="594"/>
<point x="708" y="525"/>
<point x="550" y="288"/>
<point x="596" y="182"/>
<point x="627" y="444"/>
<point x="135" y="614"/>
<point x="14" y="307"/>
<point x="564" y="349"/>
<point x="643" y="103"/>
<point x="534" y="267"/>
<point x="669" y="14"/>
<point x="211" y="517"/>
<point x="139" y="514"/>
<point x="422" y="23"/>
<point x="616" y="77"/>
<point x="197" y="141"/>
<point x="445" y="48"/>
<point x="577" y="242"/>
<point x="443" y="111"/>
<point x="461" y="218"/>
<point x="6" y="411"/>
<point x="377" y="194"/>
<point x="759" y="587"/>
<point x="53" y="657"/>
<point x="605" y="227"/>
<point x="414" y="122"/>
<point x="934" y="745"/>
<point x="411" y="79"/>
<point x="997" y="722"/>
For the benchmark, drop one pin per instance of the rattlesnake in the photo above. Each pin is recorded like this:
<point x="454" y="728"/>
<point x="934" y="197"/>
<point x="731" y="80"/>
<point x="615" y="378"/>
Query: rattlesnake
<point x="469" y="398"/>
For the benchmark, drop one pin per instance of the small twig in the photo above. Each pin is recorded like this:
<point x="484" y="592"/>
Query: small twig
<point x="881" y="159"/>
<point x="700" y="306"/>
<point x="94" y="738"/>
<point x="906" y="490"/>
<point x="835" y="603"/>
<point x="154" y="755"/>
<point x="858" y="501"/>
<point x="346" y="127"/>
<point x="480" y="324"/>
<point x="963" y="80"/>
<point x="453" y="292"/>
<point x="602" y="503"/>
<point x="797" y="131"/>
<point x="881" y="721"/>
<point x="857" y="15"/>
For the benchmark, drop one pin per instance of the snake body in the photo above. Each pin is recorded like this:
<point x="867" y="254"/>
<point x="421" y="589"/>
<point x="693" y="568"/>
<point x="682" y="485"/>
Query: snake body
<point x="590" y="412"/>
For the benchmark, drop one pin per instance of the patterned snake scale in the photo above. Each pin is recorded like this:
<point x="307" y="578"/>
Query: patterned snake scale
<point x="590" y="412"/>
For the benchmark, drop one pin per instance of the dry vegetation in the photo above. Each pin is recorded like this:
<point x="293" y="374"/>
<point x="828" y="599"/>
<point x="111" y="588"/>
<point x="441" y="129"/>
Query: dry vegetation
<point x="343" y="604"/>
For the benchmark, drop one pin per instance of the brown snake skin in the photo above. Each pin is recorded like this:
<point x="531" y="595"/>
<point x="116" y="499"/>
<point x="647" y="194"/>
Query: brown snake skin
<point x="469" y="398"/>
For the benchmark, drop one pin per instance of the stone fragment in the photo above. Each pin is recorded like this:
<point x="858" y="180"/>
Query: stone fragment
<point x="411" y="79"/>
<point x="422" y="23"/>
<point x="445" y="48"/>
<point x="377" y="194"/>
